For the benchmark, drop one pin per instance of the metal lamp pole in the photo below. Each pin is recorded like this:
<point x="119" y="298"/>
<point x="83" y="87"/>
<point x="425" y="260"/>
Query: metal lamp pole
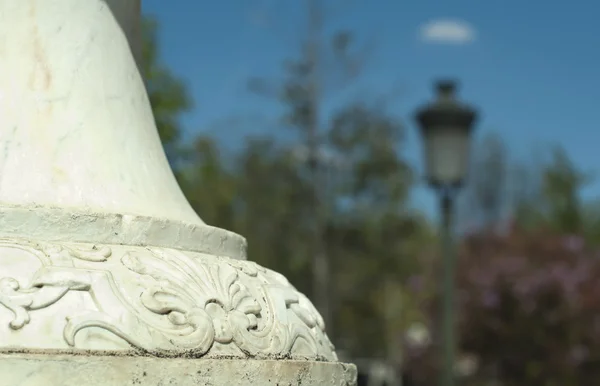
<point x="446" y="126"/>
<point x="449" y="262"/>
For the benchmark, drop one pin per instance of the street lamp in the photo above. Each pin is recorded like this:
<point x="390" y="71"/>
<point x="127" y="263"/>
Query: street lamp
<point x="446" y="127"/>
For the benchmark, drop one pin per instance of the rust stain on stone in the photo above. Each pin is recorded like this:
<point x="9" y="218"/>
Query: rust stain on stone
<point x="39" y="54"/>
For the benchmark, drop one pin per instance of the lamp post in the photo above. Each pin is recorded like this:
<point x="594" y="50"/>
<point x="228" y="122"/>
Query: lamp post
<point x="446" y="127"/>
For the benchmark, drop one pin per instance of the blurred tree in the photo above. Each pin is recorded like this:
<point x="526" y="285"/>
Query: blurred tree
<point x="257" y="192"/>
<point x="528" y="295"/>
<point x="530" y="313"/>
<point x="550" y="197"/>
<point x="339" y="196"/>
<point x="546" y="195"/>
<point x="375" y="240"/>
<point x="525" y="196"/>
<point x="168" y="96"/>
<point x="561" y="188"/>
<point x="275" y="214"/>
<point x="325" y="62"/>
<point x="528" y="310"/>
<point x="486" y="199"/>
<point x="210" y="185"/>
<point x="355" y="187"/>
<point x="591" y="221"/>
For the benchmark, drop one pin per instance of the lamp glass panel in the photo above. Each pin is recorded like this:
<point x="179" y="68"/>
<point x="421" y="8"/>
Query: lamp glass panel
<point x="446" y="154"/>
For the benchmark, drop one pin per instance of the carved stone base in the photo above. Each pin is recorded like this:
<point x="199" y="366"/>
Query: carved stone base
<point x="157" y="301"/>
<point x="100" y="252"/>
<point x="50" y="369"/>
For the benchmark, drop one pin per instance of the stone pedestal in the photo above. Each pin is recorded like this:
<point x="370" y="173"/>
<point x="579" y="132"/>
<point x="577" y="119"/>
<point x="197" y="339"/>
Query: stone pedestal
<point x="102" y="370"/>
<point x="107" y="276"/>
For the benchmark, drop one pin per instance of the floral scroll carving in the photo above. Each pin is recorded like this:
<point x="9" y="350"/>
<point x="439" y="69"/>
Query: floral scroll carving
<point x="167" y="302"/>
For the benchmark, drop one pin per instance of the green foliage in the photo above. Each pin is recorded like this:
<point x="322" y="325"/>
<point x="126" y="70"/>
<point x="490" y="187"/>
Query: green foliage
<point x="487" y="196"/>
<point x="553" y="199"/>
<point x="370" y="141"/>
<point x="168" y="95"/>
<point x="374" y="238"/>
<point x="351" y="183"/>
<point x="527" y="296"/>
<point x="538" y="196"/>
<point x="561" y="189"/>
<point x="211" y="188"/>
<point x="344" y="189"/>
<point x="265" y="192"/>
<point x="274" y="209"/>
<point x="255" y="192"/>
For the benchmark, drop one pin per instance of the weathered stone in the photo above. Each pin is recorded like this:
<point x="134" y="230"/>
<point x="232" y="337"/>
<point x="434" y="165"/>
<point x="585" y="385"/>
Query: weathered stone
<point x="107" y="275"/>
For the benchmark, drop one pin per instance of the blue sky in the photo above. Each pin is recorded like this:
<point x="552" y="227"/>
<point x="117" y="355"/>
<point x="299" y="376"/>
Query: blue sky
<point x="532" y="67"/>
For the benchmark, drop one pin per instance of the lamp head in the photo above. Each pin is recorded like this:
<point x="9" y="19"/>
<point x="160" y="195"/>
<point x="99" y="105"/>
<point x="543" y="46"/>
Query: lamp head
<point x="446" y="126"/>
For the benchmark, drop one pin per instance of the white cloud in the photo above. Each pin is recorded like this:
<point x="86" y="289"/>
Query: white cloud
<point x="447" y="31"/>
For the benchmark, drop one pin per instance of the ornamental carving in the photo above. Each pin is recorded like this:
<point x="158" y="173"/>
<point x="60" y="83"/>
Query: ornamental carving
<point x="166" y="302"/>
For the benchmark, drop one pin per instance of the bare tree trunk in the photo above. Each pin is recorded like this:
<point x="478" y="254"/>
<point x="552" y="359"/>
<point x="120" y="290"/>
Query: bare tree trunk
<point x="320" y="263"/>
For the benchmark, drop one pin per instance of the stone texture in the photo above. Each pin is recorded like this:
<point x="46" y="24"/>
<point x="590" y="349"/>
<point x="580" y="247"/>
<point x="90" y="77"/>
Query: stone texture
<point x="75" y="115"/>
<point x="77" y="370"/>
<point x="107" y="275"/>
<point x="162" y="301"/>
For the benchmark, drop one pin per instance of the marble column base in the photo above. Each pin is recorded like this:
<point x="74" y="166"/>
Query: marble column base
<point x="55" y="368"/>
<point x="159" y="310"/>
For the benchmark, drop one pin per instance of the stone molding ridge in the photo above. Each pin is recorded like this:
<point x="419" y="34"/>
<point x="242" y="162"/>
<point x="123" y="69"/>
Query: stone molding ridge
<point x="75" y="225"/>
<point x="160" y="302"/>
<point x="52" y="369"/>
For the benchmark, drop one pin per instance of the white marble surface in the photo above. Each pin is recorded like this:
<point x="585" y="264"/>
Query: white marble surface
<point x="60" y="225"/>
<point x="99" y="249"/>
<point x="162" y="301"/>
<point x="77" y="129"/>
